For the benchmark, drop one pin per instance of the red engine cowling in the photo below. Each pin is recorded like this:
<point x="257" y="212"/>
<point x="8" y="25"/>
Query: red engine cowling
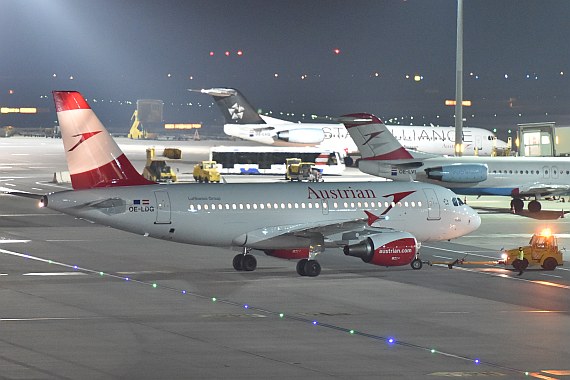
<point x="387" y="249"/>
<point x="289" y="254"/>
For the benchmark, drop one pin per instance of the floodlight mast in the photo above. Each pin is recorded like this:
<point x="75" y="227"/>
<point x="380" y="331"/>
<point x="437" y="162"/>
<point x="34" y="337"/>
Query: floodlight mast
<point x="459" y="82"/>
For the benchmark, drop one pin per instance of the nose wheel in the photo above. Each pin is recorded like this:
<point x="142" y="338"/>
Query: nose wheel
<point x="416" y="264"/>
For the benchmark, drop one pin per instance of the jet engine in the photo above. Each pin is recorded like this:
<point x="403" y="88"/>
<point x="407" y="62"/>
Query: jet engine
<point x="458" y="173"/>
<point x="302" y="135"/>
<point x="387" y="249"/>
<point x="288" y="254"/>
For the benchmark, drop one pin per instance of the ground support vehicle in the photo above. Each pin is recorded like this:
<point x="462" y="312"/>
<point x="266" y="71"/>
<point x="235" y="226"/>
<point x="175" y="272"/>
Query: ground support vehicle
<point x="206" y="171"/>
<point x="542" y="250"/>
<point x="157" y="170"/>
<point x="302" y="171"/>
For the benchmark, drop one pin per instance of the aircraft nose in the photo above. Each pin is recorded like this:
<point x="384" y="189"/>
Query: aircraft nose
<point x="501" y="144"/>
<point x="474" y="219"/>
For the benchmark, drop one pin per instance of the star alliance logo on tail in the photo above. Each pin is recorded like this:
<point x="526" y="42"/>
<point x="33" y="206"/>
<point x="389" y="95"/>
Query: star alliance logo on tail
<point x="236" y="111"/>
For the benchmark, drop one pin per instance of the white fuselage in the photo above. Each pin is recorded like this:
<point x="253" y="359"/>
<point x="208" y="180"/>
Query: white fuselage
<point x="267" y="216"/>
<point x="512" y="176"/>
<point x="436" y="140"/>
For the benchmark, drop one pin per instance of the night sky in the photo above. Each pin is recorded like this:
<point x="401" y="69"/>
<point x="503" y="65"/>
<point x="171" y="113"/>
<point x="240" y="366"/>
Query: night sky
<point x="516" y="58"/>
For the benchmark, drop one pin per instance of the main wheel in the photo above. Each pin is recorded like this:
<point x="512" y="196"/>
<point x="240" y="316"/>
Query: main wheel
<point x="249" y="263"/>
<point x="312" y="268"/>
<point x="550" y="263"/>
<point x="238" y="262"/>
<point x="534" y="206"/>
<point x="416" y="264"/>
<point x="301" y="267"/>
<point x="517" y="204"/>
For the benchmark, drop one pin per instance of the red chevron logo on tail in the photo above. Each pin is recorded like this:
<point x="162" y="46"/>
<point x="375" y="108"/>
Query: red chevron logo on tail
<point x="84" y="137"/>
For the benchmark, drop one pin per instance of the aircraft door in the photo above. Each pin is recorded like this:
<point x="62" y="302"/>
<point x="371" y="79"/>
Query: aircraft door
<point x="554" y="172"/>
<point x="162" y="207"/>
<point x="325" y="206"/>
<point x="478" y="143"/>
<point x="546" y="172"/>
<point x="433" y="205"/>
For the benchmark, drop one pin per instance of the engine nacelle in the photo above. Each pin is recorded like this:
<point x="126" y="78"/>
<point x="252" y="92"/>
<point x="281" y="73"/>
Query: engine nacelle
<point x="302" y="135"/>
<point x="389" y="249"/>
<point x="458" y="173"/>
<point x="288" y="254"/>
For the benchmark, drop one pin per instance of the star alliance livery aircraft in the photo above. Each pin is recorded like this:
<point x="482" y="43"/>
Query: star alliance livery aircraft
<point x="517" y="177"/>
<point x="242" y="121"/>
<point x="383" y="223"/>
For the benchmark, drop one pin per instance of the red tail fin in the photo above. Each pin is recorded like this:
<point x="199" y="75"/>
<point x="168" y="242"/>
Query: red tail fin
<point x="93" y="157"/>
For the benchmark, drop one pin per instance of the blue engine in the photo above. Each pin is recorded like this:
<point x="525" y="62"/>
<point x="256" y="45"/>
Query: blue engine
<point x="458" y="173"/>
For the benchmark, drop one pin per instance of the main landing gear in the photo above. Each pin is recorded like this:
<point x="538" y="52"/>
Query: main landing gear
<point x="245" y="261"/>
<point x="517" y="205"/>
<point x="309" y="268"/>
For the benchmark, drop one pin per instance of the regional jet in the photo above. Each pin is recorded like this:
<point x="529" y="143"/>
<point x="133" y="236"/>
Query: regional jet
<point x="242" y="121"/>
<point x="383" y="223"/>
<point x="517" y="177"/>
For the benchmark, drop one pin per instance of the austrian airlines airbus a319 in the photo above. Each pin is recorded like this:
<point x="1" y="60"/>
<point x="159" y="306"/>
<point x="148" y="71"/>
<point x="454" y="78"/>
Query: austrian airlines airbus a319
<point x="381" y="223"/>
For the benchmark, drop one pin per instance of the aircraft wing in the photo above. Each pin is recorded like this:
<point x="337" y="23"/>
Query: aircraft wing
<point x="334" y="233"/>
<point x="544" y="189"/>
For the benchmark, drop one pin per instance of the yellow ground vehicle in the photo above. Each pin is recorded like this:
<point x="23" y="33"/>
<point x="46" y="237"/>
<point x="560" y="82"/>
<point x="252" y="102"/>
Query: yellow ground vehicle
<point x="542" y="250"/>
<point x="157" y="170"/>
<point x="302" y="171"/>
<point x="206" y="171"/>
<point x="135" y="132"/>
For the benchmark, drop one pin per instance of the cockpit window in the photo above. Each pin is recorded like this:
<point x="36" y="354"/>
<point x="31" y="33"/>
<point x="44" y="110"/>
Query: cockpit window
<point x="457" y="202"/>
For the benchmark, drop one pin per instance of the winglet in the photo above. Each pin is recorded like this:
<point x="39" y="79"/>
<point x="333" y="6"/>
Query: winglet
<point x="94" y="159"/>
<point x="371" y="218"/>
